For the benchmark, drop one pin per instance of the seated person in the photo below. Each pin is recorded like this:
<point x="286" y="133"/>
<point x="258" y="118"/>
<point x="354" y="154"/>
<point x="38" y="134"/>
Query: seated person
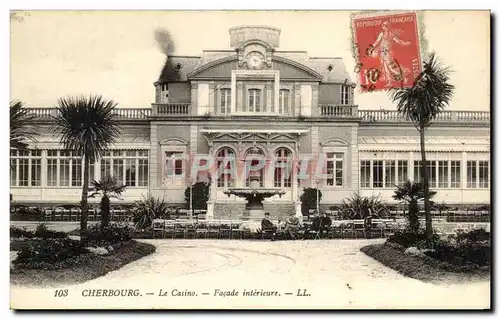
<point x="316" y="222"/>
<point x="326" y="223"/>
<point x="267" y="225"/>
<point x="292" y="226"/>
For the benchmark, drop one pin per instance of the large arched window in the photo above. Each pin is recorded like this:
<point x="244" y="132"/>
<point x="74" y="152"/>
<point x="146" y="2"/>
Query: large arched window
<point x="225" y="156"/>
<point x="283" y="168"/>
<point x="253" y="156"/>
<point x="254" y="100"/>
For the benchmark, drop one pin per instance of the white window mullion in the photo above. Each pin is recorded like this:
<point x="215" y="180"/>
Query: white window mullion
<point x="477" y="174"/>
<point x="17" y="172"/>
<point x="371" y="173"/>
<point x="29" y="168"/>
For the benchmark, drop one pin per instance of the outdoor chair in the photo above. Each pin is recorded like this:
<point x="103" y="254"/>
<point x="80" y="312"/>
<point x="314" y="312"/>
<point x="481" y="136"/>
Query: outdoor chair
<point x="236" y="231"/>
<point x="57" y="213"/>
<point x="180" y="229"/>
<point x="48" y="214"/>
<point x="66" y="215"/>
<point x="158" y="225"/>
<point x="348" y="230"/>
<point x="75" y="214"/>
<point x="190" y="230"/>
<point x="225" y="229"/>
<point x="201" y="230"/>
<point x="213" y="230"/>
<point x="169" y="228"/>
<point x="359" y="228"/>
<point x="267" y="234"/>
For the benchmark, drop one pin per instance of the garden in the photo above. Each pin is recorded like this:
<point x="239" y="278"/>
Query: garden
<point x="46" y="257"/>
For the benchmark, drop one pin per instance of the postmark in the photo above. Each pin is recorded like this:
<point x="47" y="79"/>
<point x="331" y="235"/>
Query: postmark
<point x="387" y="50"/>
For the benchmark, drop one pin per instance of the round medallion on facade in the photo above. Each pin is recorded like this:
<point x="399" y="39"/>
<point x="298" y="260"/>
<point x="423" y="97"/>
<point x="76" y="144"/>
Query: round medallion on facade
<point x="255" y="60"/>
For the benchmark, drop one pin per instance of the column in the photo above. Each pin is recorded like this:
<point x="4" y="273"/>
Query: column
<point x="211" y="99"/>
<point x="269" y="98"/>
<point x="240" y="97"/>
<point x="355" y="160"/>
<point x="276" y="89"/>
<point x="234" y="107"/>
<point x="154" y="172"/>
<point x="296" y="99"/>
<point x="295" y="187"/>
<point x="213" y="188"/>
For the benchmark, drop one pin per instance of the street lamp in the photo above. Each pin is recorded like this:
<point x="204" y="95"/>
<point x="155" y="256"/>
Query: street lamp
<point x="317" y="195"/>
<point x="191" y="196"/>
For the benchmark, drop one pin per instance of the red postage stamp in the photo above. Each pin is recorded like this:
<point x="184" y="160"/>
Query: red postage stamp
<point x="387" y="50"/>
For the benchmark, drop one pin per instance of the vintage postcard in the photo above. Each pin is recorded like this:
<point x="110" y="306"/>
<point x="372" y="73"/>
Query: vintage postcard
<point x="159" y="160"/>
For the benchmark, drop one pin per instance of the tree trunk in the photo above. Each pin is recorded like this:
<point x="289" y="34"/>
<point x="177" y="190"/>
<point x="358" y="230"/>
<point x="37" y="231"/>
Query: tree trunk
<point x="427" y="208"/>
<point x="414" y="223"/>
<point x="84" y="202"/>
<point x="104" y="211"/>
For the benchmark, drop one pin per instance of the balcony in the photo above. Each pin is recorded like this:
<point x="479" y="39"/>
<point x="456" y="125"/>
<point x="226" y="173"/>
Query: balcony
<point x="123" y="113"/>
<point x="339" y="110"/>
<point x="372" y="116"/>
<point x="171" y="109"/>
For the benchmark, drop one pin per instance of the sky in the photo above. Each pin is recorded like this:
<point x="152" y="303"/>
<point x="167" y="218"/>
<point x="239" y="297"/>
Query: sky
<point x="114" y="53"/>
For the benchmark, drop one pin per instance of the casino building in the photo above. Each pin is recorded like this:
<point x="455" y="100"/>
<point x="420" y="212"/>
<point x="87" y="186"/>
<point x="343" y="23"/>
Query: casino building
<point x="255" y="99"/>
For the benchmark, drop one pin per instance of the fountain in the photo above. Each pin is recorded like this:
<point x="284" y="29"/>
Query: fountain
<point x="254" y="209"/>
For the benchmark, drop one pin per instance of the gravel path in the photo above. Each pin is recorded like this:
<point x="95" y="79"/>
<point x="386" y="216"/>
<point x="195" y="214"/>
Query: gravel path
<point x="334" y="272"/>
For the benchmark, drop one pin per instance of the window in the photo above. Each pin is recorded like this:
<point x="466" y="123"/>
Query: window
<point x="129" y="167"/>
<point x="174" y="161"/>
<point x="284" y="101"/>
<point x="442" y="174"/>
<point x="483" y="174"/>
<point x="402" y="172"/>
<point x="254" y="100"/>
<point x="455" y="174"/>
<point x="471" y="174"/>
<point x="390" y="174"/>
<point x="282" y="171"/>
<point x="378" y="168"/>
<point x="334" y="169"/>
<point x="25" y="168"/>
<point x="365" y="174"/>
<point x="344" y="94"/>
<point x="417" y="171"/>
<point x="76" y="172"/>
<point x="383" y="174"/>
<point x="225" y="155"/>
<point x="225" y="101"/>
<point x="431" y="168"/>
<point x="252" y="159"/>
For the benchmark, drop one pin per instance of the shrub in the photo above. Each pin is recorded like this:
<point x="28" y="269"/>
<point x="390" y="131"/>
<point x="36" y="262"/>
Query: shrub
<point x="308" y="199"/>
<point x="43" y="232"/>
<point x="461" y="255"/>
<point x="108" y="235"/>
<point x="49" y="253"/>
<point x="148" y="209"/>
<point x="408" y="238"/>
<point x="16" y="232"/>
<point x="360" y="207"/>
<point x="201" y="194"/>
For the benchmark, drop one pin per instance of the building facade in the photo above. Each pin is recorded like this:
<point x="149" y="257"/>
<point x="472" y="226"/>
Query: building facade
<point x="256" y="101"/>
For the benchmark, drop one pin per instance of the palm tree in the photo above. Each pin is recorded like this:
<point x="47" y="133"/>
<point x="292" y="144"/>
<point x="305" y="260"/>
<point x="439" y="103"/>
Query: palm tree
<point x="20" y="131"/>
<point x="87" y="126"/>
<point x="108" y="187"/>
<point x="411" y="193"/>
<point x="420" y="104"/>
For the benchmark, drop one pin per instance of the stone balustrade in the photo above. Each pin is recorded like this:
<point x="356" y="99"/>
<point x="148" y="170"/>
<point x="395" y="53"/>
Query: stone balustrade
<point x="123" y="113"/>
<point x="339" y="110"/>
<point x="171" y="109"/>
<point x="446" y="116"/>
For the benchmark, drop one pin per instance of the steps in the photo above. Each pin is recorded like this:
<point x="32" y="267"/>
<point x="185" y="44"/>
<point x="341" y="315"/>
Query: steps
<point x="280" y="210"/>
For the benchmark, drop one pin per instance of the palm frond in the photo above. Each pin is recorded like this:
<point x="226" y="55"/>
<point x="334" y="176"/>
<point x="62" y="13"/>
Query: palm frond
<point x="86" y="125"/>
<point x="20" y="129"/>
<point x="108" y="185"/>
<point x="429" y="95"/>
